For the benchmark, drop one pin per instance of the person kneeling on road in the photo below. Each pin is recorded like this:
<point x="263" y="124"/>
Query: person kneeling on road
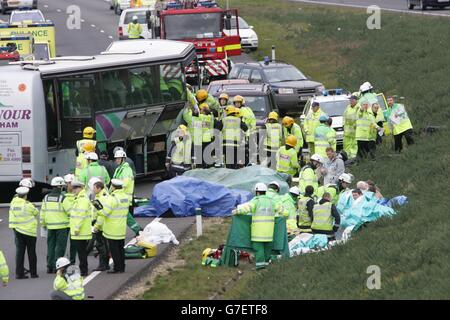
<point x="68" y="283"/>
<point x="323" y="214"/>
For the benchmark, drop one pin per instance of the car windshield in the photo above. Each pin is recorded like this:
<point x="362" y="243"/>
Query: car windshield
<point x="283" y="74"/>
<point x="193" y="26"/>
<point x="27" y="16"/>
<point x="259" y="105"/>
<point x="242" y="23"/>
<point x="213" y="89"/>
<point x="381" y="102"/>
<point x="142" y="19"/>
<point x="334" y="108"/>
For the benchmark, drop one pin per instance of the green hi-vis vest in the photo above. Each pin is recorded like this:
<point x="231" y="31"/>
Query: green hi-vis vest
<point x="324" y="137"/>
<point x="364" y="121"/>
<point x="273" y="137"/>
<point x="231" y="131"/>
<point x="287" y="161"/>
<point x="125" y="173"/>
<point x="72" y="287"/>
<point x="311" y="123"/>
<point x="53" y="215"/>
<point x="80" y="164"/>
<point x="263" y="220"/>
<point x="23" y="217"/>
<point x="4" y="270"/>
<point x="81" y="217"/>
<point x="405" y="123"/>
<point x="115" y="224"/>
<point x="296" y="131"/>
<point x="94" y="169"/>
<point x="307" y="177"/>
<point x="249" y="119"/>
<point x="349" y="120"/>
<point x="304" y="221"/>
<point x="322" y="218"/>
<point x="134" y="30"/>
<point x="207" y="127"/>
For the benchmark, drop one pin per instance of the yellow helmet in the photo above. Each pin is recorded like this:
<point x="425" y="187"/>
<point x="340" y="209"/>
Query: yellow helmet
<point x="291" y="140"/>
<point x="229" y="110"/>
<point x="89" y="147"/>
<point x="239" y="98"/>
<point x="273" y="115"/>
<point x="206" y="253"/>
<point x="201" y="95"/>
<point x="183" y="128"/>
<point x="224" y="96"/>
<point x="203" y="106"/>
<point x="288" y="121"/>
<point x="88" y="132"/>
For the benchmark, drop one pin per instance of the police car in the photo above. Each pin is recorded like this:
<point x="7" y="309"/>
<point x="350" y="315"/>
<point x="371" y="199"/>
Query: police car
<point x="333" y="102"/>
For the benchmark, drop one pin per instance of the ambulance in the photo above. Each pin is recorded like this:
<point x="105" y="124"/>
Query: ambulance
<point x="42" y="33"/>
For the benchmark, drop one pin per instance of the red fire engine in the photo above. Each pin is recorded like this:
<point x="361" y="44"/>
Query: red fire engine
<point x="202" y="23"/>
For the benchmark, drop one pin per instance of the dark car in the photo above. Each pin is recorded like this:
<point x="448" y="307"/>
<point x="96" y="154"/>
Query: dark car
<point x="259" y="97"/>
<point x="291" y="87"/>
<point x="424" y="4"/>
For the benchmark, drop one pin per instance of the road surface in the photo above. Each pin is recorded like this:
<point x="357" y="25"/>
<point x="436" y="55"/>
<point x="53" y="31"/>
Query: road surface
<point x="390" y="5"/>
<point x="98" y="30"/>
<point x="100" y="285"/>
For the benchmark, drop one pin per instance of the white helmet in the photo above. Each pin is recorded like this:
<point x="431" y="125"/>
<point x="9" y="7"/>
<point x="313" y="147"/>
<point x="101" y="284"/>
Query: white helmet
<point x="120" y="154"/>
<point x="62" y="262"/>
<point x="316" y="157"/>
<point x="93" y="181"/>
<point x="57" y="182"/>
<point x="22" y="191"/>
<point x="295" y="190"/>
<point x="260" y="186"/>
<point x="345" y="177"/>
<point x="91" y="156"/>
<point x="275" y="183"/>
<point x="366" y="86"/>
<point x="26" y="182"/>
<point x="69" y="178"/>
<point x="135" y="18"/>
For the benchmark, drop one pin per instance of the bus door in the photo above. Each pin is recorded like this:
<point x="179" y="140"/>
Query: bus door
<point x="76" y="107"/>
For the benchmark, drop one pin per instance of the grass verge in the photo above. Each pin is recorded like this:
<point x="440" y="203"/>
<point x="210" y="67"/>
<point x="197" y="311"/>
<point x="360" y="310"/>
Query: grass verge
<point x="408" y="56"/>
<point x="182" y="277"/>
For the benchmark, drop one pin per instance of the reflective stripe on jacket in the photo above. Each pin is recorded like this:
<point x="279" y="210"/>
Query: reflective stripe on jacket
<point x="23" y="217"/>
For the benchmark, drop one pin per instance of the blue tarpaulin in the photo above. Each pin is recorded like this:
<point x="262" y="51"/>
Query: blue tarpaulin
<point x="182" y="195"/>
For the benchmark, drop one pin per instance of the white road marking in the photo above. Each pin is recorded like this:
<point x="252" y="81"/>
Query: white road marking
<point x="365" y="7"/>
<point x="59" y="10"/>
<point x="111" y="37"/>
<point x="45" y="6"/>
<point x="90" y="277"/>
<point x="102" y="31"/>
<point x="82" y="20"/>
<point x="93" y="25"/>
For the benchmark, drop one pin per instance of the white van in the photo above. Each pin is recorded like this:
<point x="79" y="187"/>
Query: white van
<point x="127" y="16"/>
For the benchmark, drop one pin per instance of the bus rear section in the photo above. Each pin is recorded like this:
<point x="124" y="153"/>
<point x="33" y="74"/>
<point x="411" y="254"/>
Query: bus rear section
<point x="22" y="126"/>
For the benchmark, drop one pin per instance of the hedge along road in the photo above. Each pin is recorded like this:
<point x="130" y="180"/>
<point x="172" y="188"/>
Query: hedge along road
<point x="388" y="5"/>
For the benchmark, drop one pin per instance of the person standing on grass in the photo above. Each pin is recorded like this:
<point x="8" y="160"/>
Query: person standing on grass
<point x="399" y="120"/>
<point x="349" y="124"/>
<point x="263" y="211"/>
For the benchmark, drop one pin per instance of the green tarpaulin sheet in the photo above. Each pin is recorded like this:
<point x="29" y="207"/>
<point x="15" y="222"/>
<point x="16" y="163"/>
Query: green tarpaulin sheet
<point x="239" y="237"/>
